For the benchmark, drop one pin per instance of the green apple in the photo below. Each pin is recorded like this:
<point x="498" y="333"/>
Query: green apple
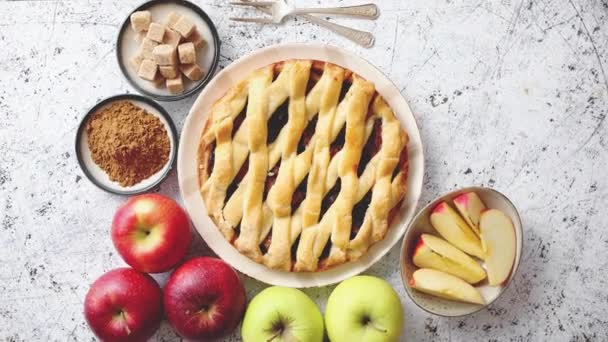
<point x="282" y="314"/>
<point x="364" y="308"/>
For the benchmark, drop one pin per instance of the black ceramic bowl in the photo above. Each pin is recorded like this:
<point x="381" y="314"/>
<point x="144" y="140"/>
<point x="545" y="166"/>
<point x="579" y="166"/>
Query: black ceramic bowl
<point x="96" y="175"/>
<point x="207" y="57"/>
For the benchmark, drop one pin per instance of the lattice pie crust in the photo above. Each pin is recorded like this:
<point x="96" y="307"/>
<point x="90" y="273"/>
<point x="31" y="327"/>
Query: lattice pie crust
<point x="302" y="165"/>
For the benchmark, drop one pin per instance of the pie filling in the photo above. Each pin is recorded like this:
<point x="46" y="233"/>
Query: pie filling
<point x="275" y="124"/>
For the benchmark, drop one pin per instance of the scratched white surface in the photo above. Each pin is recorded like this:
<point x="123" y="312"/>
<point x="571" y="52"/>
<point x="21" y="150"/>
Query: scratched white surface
<point x="508" y="94"/>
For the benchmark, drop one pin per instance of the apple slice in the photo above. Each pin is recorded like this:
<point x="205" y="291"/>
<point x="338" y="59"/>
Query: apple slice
<point x="498" y="241"/>
<point x="436" y="253"/>
<point x="453" y="228"/>
<point x="443" y="285"/>
<point x="470" y="206"/>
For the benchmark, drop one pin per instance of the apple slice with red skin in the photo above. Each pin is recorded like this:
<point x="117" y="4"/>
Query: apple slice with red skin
<point x="124" y="305"/>
<point x="151" y="233"/>
<point x="436" y="253"/>
<point x="455" y="230"/>
<point x="204" y="299"/>
<point x="443" y="285"/>
<point x="498" y="240"/>
<point x="470" y="206"/>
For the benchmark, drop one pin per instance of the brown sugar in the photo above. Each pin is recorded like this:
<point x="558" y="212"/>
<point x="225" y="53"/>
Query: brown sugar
<point x="127" y="142"/>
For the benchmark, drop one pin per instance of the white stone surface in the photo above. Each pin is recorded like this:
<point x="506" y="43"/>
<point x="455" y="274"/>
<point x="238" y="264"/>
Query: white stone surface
<point x="508" y="94"/>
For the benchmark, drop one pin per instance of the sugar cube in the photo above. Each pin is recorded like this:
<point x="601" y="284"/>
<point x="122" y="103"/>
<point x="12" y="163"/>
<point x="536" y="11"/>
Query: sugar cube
<point x="168" y="71"/>
<point x="147" y="70"/>
<point x="192" y="71"/>
<point x="187" y="53"/>
<point x="172" y="18"/>
<point x="197" y="39"/>
<point x="147" y="47"/>
<point x="156" y="32"/>
<point x="175" y="85"/>
<point x="158" y="81"/>
<point x="136" y="60"/>
<point x="172" y="38"/>
<point x="139" y="36"/>
<point x="184" y="26"/>
<point x="165" y="55"/>
<point x="140" y="20"/>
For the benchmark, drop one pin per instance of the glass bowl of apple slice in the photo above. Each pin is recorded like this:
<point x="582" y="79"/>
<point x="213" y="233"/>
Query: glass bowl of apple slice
<point x="461" y="251"/>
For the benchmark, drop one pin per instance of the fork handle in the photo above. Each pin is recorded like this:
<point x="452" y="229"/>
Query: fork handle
<point x="362" y="38"/>
<point x="367" y="11"/>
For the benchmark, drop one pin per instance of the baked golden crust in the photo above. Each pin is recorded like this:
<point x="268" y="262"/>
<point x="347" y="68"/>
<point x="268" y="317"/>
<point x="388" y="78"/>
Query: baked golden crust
<point x="293" y="169"/>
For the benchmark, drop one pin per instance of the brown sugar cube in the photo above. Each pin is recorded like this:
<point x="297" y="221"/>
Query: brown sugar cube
<point x="196" y="39"/>
<point x="147" y="70"/>
<point x="158" y="81"/>
<point x="165" y="55"/>
<point x="192" y="71"/>
<point x="156" y="32"/>
<point x="187" y="53"/>
<point x="172" y="18"/>
<point x="147" y="47"/>
<point x="184" y="26"/>
<point x="136" y="60"/>
<point x="175" y="85"/>
<point x="140" y="20"/>
<point x="168" y="71"/>
<point x="172" y="38"/>
<point x="139" y="36"/>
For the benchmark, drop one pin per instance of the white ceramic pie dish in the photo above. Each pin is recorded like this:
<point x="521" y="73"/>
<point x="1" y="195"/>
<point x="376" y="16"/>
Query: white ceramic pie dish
<point x="187" y="166"/>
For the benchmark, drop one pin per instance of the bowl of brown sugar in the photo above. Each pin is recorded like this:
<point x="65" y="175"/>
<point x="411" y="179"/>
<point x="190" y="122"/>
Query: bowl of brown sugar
<point x="126" y="144"/>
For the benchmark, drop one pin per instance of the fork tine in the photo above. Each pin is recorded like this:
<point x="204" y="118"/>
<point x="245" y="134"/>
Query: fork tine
<point x="253" y="3"/>
<point x="254" y="20"/>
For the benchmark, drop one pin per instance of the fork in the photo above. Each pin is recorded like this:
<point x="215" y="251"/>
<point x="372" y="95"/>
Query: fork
<point x="279" y="10"/>
<point x="363" y="38"/>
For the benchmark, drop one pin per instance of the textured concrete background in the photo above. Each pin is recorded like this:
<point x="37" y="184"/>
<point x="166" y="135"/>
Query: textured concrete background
<point x="508" y="94"/>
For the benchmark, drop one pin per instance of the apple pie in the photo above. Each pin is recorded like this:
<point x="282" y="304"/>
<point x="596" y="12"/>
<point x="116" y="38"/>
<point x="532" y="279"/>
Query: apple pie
<point x="302" y="165"/>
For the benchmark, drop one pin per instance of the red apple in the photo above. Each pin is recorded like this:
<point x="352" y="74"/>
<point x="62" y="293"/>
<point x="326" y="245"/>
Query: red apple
<point x="204" y="299"/>
<point x="499" y="242"/>
<point x="455" y="230"/>
<point x="438" y="254"/>
<point x="470" y="206"/>
<point x="151" y="232"/>
<point x="124" y="305"/>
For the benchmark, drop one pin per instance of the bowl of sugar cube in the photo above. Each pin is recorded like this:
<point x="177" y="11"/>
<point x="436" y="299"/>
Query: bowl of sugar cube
<point x="168" y="50"/>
